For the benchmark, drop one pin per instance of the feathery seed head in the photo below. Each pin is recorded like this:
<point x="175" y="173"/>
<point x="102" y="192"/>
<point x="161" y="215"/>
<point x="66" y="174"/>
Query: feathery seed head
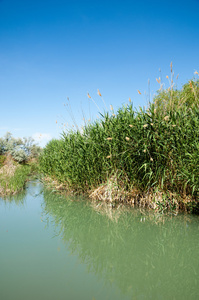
<point x="130" y="100"/>
<point x="166" y="118"/>
<point x="109" y="138"/>
<point x="158" y="80"/>
<point x="171" y="66"/>
<point x="127" y="138"/>
<point x="130" y="125"/>
<point x="109" y="156"/>
<point x="196" y="72"/>
<point x="139" y="92"/>
<point x="167" y="77"/>
<point x="99" y="93"/>
<point x="88" y="95"/>
<point x="111" y="107"/>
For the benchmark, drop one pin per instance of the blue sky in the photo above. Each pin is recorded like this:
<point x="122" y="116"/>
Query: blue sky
<point x="51" y="50"/>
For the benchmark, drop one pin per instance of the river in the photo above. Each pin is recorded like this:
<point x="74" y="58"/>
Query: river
<point x="57" y="248"/>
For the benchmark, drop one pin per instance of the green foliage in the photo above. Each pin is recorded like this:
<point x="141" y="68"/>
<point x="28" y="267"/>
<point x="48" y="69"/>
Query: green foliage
<point x="2" y="159"/>
<point x="17" y="151"/>
<point x="19" y="155"/>
<point x="20" y="149"/>
<point x="190" y="93"/>
<point x="1" y="146"/>
<point x="151" y="150"/>
<point x="14" y="184"/>
<point x="169" y="99"/>
<point x="17" y="182"/>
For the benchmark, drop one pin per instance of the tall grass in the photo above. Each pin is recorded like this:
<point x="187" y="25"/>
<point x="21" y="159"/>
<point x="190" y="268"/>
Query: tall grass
<point x="14" y="183"/>
<point x="147" y="151"/>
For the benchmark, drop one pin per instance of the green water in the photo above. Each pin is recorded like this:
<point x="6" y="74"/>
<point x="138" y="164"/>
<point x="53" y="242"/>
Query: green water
<point x="55" y="249"/>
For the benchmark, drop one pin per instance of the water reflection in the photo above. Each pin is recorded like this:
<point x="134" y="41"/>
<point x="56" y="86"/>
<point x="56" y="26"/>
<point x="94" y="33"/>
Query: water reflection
<point x="20" y="198"/>
<point x="145" y="255"/>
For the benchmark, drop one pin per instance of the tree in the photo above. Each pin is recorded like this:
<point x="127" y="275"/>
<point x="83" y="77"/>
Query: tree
<point x="20" y="149"/>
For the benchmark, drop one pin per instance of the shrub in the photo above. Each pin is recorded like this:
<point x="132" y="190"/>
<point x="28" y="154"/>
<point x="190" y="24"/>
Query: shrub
<point x="20" y="149"/>
<point x="19" y="155"/>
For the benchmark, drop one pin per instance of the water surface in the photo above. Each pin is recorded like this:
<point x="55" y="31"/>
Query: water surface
<point x="53" y="248"/>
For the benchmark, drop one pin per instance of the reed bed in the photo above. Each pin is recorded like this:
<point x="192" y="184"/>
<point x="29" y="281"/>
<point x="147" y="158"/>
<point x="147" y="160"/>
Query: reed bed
<point x="148" y="157"/>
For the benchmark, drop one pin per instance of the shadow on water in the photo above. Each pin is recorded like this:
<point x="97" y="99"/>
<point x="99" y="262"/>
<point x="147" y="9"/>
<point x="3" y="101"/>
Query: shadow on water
<point x="147" y="256"/>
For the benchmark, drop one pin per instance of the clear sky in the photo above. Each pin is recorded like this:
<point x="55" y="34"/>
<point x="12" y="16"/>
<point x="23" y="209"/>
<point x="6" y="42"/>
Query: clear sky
<point x="51" y="50"/>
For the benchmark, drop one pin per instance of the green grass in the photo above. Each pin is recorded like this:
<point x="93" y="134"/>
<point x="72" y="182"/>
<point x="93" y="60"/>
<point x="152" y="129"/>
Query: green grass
<point x="153" y="151"/>
<point x="2" y="160"/>
<point x="18" y="180"/>
<point x="14" y="184"/>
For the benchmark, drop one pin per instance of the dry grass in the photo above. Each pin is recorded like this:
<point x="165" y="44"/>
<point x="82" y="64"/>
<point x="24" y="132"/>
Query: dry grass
<point x="9" y="167"/>
<point x="112" y="193"/>
<point x="12" y="177"/>
<point x="6" y="172"/>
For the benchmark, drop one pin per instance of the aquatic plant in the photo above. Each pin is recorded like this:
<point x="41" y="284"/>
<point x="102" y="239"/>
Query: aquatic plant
<point x="151" y="155"/>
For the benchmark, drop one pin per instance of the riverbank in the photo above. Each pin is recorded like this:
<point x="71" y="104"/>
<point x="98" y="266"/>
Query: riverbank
<point x="146" y="157"/>
<point x="13" y="176"/>
<point x="18" y="160"/>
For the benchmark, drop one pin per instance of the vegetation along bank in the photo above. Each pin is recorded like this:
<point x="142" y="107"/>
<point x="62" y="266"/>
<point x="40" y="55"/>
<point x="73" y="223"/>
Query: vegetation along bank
<point x="146" y="157"/>
<point x="18" y="160"/>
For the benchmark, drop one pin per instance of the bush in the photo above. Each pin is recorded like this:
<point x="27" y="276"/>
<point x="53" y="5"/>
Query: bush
<point x="19" y="155"/>
<point x="20" y="149"/>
